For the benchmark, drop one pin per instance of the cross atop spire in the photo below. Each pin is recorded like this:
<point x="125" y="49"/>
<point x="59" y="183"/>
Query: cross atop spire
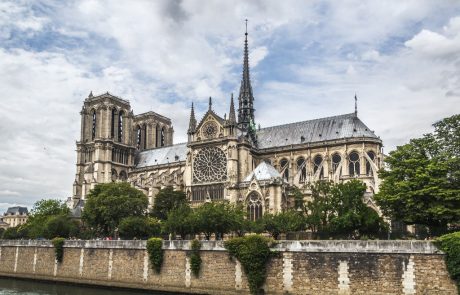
<point x="245" y="98"/>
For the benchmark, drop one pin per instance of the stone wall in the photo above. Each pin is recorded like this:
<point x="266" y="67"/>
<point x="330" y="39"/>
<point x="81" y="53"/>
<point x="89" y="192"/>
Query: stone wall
<point x="300" y="267"/>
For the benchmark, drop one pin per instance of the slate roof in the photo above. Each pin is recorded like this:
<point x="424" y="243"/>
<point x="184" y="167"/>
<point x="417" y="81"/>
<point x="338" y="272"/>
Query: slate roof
<point x="163" y="155"/>
<point x="263" y="171"/>
<point x="14" y="210"/>
<point x="323" y="129"/>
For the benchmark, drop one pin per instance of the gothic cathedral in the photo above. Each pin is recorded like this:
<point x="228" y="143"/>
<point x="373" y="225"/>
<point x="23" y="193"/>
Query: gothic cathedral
<point x="224" y="158"/>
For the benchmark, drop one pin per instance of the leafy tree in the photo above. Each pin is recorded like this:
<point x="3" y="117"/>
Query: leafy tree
<point x="338" y="210"/>
<point x="283" y="222"/>
<point x="421" y="184"/>
<point x="41" y="214"/>
<point x="217" y="218"/>
<point x="140" y="227"/>
<point x="166" y="200"/>
<point x="107" y="204"/>
<point x="181" y="220"/>
<point x="60" y="226"/>
<point x="2" y="230"/>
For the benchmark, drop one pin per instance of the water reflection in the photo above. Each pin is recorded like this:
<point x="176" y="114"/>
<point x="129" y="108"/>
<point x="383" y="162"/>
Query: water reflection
<point x="9" y="286"/>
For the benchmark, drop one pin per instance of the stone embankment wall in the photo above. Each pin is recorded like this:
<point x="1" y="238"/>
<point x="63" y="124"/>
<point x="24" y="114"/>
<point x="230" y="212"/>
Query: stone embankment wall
<point x="300" y="267"/>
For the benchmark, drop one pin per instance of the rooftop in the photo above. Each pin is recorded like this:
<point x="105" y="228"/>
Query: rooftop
<point x="263" y="171"/>
<point x="163" y="155"/>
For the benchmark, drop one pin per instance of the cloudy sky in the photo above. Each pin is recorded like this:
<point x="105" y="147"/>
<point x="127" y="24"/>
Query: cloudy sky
<point x="308" y="59"/>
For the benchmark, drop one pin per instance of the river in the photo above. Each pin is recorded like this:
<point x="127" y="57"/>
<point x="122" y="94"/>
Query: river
<point x="9" y="286"/>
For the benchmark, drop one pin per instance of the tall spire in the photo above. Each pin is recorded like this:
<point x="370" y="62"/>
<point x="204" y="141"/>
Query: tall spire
<point x="192" y="124"/>
<point x="245" y="99"/>
<point x="231" y="116"/>
<point x="356" y="106"/>
<point x="210" y="103"/>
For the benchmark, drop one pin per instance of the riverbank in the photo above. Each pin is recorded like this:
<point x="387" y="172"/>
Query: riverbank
<point x="319" y="267"/>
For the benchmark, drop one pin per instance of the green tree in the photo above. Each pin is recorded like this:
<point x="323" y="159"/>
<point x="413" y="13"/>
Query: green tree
<point x="216" y="218"/>
<point x="166" y="200"/>
<point x="421" y="184"/>
<point x="60" y="226"/>
<point x="180" y="220"/>
<point x="283" y="222"/>
<point x="41" y="214"/>
<point x="2" y="230"/>
<point x="140" y="227"/>
<point x="107" y="204"/>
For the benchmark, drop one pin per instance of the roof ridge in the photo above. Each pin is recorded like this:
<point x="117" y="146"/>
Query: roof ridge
<point x="311" y="120"/>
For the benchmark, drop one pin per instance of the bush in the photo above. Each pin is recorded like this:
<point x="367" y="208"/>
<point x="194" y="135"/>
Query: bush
<point x="58" y="244"/>
<point x="139" y="227"/>
<point x="253" y="252"/>
<point x="195" y="258"/>
<point x="15" y="233"/>
<point x="155" y="251"/>
<point x="60" y="226"/>
<point x="450" y="244"/>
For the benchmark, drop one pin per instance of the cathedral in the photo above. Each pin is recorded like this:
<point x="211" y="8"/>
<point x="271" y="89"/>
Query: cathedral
<point x="225" y="158"/>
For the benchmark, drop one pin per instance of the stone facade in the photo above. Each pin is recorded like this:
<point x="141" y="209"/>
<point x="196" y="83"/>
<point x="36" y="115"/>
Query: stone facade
<point x="225" y="158"/>
<point x="315" y="267"/>
<point x="14" y="216"/>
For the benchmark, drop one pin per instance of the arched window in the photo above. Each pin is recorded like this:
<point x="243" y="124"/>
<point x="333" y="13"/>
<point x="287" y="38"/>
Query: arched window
<point x="120" y="126"/>
<point x="353" y="166"/>
<point x="368" y="165"/>
<point x="317" y="161"/>
<point x="93" y="130"/>
<point x="123" y="176"/>
<point x="114" y="175"/>
<point x="112" y="127"/>
<point x="139" y="137"/>
<point x="144" y="137"/>
<point x="254" y="206"/>
<point x="336" y="159"/>
<point x="284" y="168"/>
<point x="162" y="137"/>
<point x="301" y="169"/>
<point x="157" y="136"/>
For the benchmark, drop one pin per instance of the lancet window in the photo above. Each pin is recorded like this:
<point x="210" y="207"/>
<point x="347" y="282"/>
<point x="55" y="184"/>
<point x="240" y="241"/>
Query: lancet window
<point x="254" y="206"/>
<point x="284" y="168"/>
<point x="336" y="159"/>
<point x="112" y="126"/>
<point x="317" y="161"/>
<point x="203" y="193"/>
<point x="94" y="126"/>
<point x="368" y="165"/>
<point x="301" y="169"/>
<point x="120" y="126"/>
<point x="353" y="165"/>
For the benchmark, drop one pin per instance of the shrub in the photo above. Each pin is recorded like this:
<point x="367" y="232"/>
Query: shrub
<point x="195" y="258"/>
<point x="139" y="227"/>
<point x="58" y="244"/>
<point x="155" y="251"/>
<point x="253" y="252"/>
<point x="450" y="244"/>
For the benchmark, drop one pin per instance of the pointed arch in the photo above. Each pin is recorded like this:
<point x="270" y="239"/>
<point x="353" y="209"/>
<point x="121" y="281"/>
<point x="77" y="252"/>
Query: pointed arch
<point x="317" y="164"/>
<point x="301" y="169"/>
<point x="162" y="136"/>
<point x="113" y="123"/>
<point x="254" y="206"/>
<point x="371" y="155"/>
<point x="354" y="164"/>
<point x="94" y="124"/>
<point x="284" y="168"/>
<point x="120" y="126"/>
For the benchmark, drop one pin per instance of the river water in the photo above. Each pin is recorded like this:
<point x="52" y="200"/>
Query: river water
<point x="10" y="286"/>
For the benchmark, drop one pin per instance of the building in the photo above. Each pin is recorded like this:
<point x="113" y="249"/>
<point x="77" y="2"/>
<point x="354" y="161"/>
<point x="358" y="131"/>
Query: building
<point x="225" y="158"/>
<point x="14" y="216"/>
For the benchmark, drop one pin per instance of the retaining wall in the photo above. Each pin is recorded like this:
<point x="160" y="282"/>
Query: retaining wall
<point x="301" y="267"/>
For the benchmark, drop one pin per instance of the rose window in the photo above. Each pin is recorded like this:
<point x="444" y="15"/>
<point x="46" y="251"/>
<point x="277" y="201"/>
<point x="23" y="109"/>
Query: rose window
<point x="210" y="165"/>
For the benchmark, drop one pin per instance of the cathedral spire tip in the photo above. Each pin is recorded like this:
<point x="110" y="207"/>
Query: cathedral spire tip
<point x="192" y="123"/>
<point x="210" y="103"/>
<point x="356" y="105"/>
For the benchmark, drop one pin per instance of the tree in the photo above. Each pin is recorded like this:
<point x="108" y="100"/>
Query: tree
<point x="107" y="204"/>
<point x="338" y="210"/>
<point x="180" y="220"/>
<point x="283" y="222"/>
<point x="60" y="226"/>
<point x="216" y="218"/>
<point x="421" y="184"/>
<point x="2" y="230"/>
<point x="140" y="227"/>
<point x="166" y="200"/>
<point x="42" y="213"/>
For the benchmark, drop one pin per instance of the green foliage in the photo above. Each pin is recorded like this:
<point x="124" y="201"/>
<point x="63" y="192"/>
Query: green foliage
<point x="253" y="252"/>
<point x="44" y="215"/>
<point x="166" y="200"/>
<point x="283" y="222"/>
<point x="60" y="226"/>
<point x="180" y="221"/>
<point x="421" y="184"/>
<point x="107" y="204"/>
<point x="139" y="227"/>
<point x="450" y="244"/>
<point x="338" y="210"/>
<point x="58" y="244"/>
<point x="217" y="218"/>
<point x="195" y="258"/>
<point x="2" y="230"/>
<point x="155" y="251"/>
